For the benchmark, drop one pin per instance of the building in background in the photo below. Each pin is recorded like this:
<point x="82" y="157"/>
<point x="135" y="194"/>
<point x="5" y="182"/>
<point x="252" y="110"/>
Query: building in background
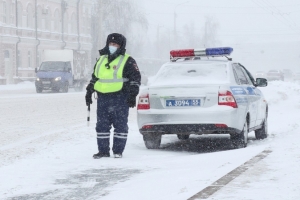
<point x="27" y="27"/>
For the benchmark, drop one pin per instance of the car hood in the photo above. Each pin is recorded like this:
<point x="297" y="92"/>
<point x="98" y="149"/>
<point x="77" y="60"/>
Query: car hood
<point x="49" y="74"/>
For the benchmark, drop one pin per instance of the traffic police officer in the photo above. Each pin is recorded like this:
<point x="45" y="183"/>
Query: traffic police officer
<point x="116" y="80"/>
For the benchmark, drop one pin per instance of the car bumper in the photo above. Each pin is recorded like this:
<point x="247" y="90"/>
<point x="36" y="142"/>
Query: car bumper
<point x="49" y="85"/>
<point x="187" y="129"/>
<point x="196" y="121"/>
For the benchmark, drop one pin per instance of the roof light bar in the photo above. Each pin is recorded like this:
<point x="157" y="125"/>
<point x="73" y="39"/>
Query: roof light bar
<point x="220" y="51"/>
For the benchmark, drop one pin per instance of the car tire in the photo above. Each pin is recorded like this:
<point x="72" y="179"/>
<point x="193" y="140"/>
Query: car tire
<point x="262" y="133"/>
<point x="55" y="89"/>
<point x="183" y="137"/>
<point x="65" y="88"/>
<point x="152" y="141"/>
<point x="39" y="90"/>
<point x="240" y="140"/>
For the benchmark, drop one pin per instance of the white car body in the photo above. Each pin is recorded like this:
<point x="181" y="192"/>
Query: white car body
<point x="183" y="84"/>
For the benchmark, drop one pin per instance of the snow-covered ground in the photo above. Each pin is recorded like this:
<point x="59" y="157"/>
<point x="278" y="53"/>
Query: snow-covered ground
<point x="46" y="152"/>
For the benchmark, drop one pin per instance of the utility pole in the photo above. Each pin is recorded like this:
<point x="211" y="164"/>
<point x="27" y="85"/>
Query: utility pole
<point x="175" y="34"/>
<point x="205" y="35"/>
<point x="100" y="34"/>
<point x="38" y="42"/>
<point x="63" y="9"/>
<point x="175" y="16"/>
<point x="158" y="41"/>
<point x="78" y="25"/>
<point x="19" y="40"/>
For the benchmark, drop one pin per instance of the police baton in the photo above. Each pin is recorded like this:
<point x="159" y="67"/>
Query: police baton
<point x="88" y="115"/>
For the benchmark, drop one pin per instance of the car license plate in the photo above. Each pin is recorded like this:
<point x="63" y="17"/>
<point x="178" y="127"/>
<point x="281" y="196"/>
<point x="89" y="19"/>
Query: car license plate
<point x="183" y="102"/>
<point x="46" y="82"/>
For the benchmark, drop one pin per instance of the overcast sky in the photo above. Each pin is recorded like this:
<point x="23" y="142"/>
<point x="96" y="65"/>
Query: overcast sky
<point x="262" y="32"/>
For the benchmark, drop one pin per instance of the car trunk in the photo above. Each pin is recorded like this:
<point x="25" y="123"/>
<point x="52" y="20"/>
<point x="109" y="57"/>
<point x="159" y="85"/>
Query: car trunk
<point x="183" y="96"/>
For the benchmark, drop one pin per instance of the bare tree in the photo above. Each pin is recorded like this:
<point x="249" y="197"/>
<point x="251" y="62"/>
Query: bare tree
<point x="121" y="16"/>
<point x="192" y="38"/>
<point x="210" y="32"/>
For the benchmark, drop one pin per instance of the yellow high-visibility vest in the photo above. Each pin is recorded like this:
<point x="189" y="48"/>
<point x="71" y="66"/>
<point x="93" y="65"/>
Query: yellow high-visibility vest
<point x="110" y="80"/>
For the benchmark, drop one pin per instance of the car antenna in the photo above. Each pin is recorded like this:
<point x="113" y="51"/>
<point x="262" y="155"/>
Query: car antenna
<point x="230" y="59"/>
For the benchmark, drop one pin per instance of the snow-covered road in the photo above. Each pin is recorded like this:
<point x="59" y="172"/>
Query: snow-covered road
<point x="46" y="152"/>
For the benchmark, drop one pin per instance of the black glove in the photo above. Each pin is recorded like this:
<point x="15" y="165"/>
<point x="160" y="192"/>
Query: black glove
<point x="89" y="92"/>
<point x="131" y="101"/>
<point x="88" y="98"/>
<point x="90" y="88"/>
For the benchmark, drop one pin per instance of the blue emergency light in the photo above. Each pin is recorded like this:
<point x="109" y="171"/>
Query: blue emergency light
<point x="219" y="51"/>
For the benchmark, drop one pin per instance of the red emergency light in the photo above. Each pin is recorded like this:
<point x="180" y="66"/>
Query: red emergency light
<point x="182" y="53"/>
<point x="219" y="51"/>
<point x="187" y="53"/>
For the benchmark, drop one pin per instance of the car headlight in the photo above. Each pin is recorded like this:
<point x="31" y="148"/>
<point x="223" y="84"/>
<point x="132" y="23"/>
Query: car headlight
<point x="37" y="79"/>
<point x="57" y="78"/>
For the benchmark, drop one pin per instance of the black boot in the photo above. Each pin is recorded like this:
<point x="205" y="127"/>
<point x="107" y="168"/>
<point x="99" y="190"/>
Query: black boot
<point x="100" y="155"/>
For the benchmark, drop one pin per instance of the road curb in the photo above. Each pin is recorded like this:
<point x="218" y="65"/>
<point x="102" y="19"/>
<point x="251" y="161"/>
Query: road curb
<point x="223" y="181"/>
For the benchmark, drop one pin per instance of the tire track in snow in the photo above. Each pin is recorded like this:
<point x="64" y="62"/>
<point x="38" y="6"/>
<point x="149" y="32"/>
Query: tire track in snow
<point x="223" y="181"/>
<point x="29" y="123"/>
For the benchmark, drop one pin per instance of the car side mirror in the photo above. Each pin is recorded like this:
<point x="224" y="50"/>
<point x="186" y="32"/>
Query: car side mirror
<point x="261" y="82"/>
<point x="35" y="70"/>
<point x="69" y="70"/>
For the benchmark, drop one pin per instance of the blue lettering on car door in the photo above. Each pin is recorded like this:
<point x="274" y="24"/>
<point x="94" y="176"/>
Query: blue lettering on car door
<point x="237" y="90"/>
<point x="239" y="94"/>
<point x="251" y="91"/>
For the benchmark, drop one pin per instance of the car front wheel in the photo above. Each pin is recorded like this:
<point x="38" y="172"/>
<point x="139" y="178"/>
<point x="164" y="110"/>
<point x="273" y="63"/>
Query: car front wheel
<point x="65" y="88"/>
<point x="39" y="90"/>
<point x="152" y="141"/>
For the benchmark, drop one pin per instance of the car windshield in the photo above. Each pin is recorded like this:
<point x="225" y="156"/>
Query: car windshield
<point x="183" y="73"/>
<point x="54" y="66"/>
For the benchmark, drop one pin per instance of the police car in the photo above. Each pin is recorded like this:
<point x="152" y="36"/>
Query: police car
<point x="202" y="91"/>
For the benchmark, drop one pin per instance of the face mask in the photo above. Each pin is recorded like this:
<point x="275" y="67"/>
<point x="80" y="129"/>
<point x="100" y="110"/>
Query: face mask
<point x="112" y="49"/>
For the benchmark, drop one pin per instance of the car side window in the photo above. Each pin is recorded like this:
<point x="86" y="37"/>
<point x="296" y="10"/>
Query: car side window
<point x="240" y="75"/>
<point x="248" y="75"/>
<point x="235" y="74"/>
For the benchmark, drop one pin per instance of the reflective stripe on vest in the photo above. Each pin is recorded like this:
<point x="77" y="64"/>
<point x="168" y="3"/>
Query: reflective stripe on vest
<point x="110" y="80"/>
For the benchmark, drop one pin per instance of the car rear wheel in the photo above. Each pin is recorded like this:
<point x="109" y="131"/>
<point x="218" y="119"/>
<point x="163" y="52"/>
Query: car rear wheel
<point x="39" y="90"/>
<point x="152" y="141"/>
<point x="240" y="140"/>
<point x="262" y="133"/>
<point x="183" y="137"/>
